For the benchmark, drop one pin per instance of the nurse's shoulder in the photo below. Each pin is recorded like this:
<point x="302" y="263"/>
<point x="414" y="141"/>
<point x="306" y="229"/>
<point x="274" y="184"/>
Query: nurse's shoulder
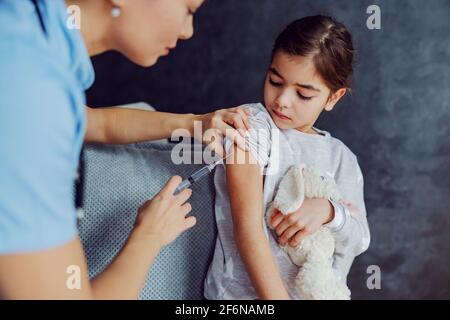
<point x="38" y="130"/>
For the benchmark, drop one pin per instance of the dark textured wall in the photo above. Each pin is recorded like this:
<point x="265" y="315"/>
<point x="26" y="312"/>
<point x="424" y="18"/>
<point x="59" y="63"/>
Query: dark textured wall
<point x="396" y="121"/>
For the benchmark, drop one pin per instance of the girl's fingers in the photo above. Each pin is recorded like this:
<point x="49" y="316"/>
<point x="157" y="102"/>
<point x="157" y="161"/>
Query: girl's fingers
<point x="288" y="221"/>
<point x="287" y="234"/>
<point x="298" y="237"/>
<point x="276" y="219"/>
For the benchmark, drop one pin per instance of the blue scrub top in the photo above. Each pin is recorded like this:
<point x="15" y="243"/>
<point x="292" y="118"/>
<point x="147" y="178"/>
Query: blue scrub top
<point x="42" y="124"/>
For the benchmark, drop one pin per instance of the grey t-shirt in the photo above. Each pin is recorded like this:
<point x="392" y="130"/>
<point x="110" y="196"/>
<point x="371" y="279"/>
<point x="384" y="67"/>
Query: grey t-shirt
<point x="276" y="151"/>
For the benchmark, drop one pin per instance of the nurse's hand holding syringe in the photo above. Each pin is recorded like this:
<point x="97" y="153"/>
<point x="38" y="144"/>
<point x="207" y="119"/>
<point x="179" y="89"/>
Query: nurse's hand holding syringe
<point x="186" y="183"/>
<point x="163" y="218"/>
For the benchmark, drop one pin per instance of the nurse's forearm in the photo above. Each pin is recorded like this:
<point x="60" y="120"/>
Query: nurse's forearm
<point x="122" y="126"/>
<point x="125" y="276"/>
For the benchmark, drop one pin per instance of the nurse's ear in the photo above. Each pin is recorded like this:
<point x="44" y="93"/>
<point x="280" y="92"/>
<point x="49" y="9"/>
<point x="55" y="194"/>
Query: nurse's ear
<point x="117" y="3"/>
<point x="334" y="98"/>
<point x="117" y="6"/>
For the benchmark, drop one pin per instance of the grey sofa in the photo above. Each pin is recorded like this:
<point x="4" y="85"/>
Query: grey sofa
<point x="118" y="179"/>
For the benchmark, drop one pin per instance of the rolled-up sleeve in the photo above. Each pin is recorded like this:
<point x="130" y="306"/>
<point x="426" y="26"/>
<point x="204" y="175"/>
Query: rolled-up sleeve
<point x="258" y="137"/>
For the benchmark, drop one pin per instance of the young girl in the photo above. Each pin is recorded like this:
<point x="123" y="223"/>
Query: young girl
<point x="310" y="72"/>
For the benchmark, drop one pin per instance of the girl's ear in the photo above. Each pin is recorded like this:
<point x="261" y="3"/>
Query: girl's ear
<point x="334" y="98"/>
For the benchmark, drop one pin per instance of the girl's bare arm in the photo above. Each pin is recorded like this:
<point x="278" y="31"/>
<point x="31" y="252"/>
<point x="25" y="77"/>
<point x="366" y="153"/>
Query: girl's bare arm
<point x="245" y="185"/>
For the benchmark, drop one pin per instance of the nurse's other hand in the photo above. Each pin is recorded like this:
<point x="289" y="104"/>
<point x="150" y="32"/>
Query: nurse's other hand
<point x="232" y="123"/>
<point x="163" y="218"/>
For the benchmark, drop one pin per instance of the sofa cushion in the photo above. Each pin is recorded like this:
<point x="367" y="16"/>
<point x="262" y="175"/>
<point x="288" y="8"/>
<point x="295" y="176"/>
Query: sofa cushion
<point x="118" y="179"/>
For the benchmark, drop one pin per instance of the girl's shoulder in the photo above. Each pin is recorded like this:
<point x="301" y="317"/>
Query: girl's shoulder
<point x="345" y="154"/>
<point x="256" y="109"/>
<point x="260" y="117"/>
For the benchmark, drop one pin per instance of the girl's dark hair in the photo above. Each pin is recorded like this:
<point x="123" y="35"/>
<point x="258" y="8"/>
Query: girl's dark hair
<point x="327" y="41"/>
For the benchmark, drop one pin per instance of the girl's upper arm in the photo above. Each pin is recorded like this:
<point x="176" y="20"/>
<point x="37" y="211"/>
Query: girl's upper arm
<point x="245" y="187"/>
<point x="245" y="173"/>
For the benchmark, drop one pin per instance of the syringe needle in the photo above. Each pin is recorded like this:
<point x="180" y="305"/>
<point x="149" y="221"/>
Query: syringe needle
<point x="198" y="175"/>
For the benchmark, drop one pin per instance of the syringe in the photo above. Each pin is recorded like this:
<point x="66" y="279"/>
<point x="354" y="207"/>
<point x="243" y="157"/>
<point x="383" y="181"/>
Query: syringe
<point x="197" y="175"/>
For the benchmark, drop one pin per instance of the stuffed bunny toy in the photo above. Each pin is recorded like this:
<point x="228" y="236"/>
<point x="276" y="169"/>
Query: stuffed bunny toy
<point x="316" y="279"/>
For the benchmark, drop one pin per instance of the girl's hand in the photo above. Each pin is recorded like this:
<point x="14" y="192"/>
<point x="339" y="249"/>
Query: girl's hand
<point x="232" y="123"/>
<point x="163" y="218"/>
<point x="295" y="226"/>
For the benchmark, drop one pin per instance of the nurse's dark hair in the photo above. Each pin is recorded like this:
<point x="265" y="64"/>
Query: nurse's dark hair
<point x="327" y="41"/>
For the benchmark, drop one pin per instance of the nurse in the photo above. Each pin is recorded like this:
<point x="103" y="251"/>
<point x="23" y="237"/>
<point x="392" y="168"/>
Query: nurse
<point x="44" y="70"/>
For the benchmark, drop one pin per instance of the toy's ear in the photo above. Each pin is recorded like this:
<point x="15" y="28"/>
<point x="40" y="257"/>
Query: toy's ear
<point x="301" y="186"/>
<point x="291" y="191"/>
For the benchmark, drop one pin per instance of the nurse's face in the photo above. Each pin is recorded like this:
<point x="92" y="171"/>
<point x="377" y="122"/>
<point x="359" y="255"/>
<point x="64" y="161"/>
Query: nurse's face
<point x="149" y="29"/>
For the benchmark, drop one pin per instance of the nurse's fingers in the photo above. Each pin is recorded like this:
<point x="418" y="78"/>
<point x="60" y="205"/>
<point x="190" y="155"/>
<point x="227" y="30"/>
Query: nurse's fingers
<point x="189" y="222"/>
<point x="232" y="134"/>
<point x="214" y="141"/>
<point x="236" y="119"/>
<point x="182" y="197"/>
<point x="217" y="148"/>
<point x="185" y="209"/>
<point x="247" y="110"/>
<point x="245" y="113"/>
<point x="169" y="189"/>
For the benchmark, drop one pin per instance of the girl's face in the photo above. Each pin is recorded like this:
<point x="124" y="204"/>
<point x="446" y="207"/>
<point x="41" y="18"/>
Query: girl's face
<point x="149" y="29"/>
<point x="295" y="94"/>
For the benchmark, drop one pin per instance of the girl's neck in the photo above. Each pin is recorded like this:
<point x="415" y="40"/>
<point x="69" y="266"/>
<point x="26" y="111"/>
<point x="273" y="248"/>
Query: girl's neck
<point x="308" y="129"/>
